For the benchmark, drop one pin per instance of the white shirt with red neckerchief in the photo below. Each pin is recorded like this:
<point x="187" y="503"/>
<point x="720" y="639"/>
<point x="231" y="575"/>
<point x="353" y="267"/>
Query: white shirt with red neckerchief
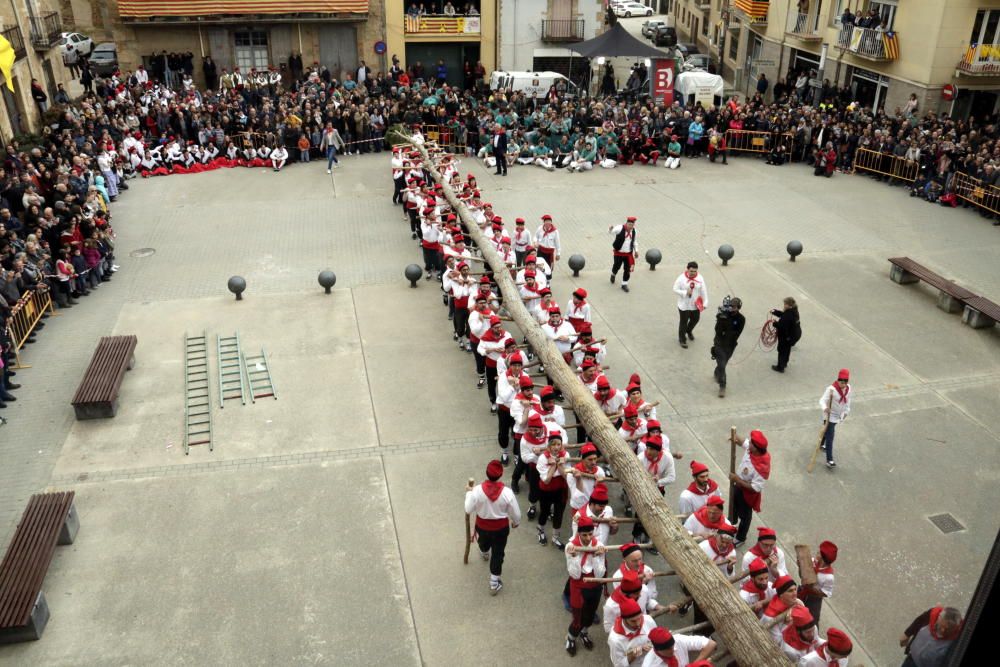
<point x="686" y="647"/>
<point x="621" y="643"/>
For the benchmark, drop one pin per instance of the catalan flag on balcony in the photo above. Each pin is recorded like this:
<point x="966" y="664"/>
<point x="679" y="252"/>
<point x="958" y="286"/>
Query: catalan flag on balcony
<point x="6" y="61"/>
<point x="756" y="10"/>
<point x="891" y="44"/>
<point x="153" y="8"/>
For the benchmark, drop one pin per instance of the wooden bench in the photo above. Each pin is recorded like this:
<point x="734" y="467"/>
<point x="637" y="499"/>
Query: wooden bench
<point x="951" y="296"/>
<point x="48" y="520"/>
<point x="97" y="395"/>
<point x="981" y="313"/>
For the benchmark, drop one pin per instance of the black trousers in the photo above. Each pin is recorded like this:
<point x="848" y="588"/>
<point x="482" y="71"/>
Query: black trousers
<point x="461" y="321"/>
<point x="480" y="361"/>
<point x="530" y="473"/>
<point x="501" y="162"/>
<point x="814" y="604"/>
<point x="491" y="389"/>
<point x="415" y="223"/>
<point x="551" y="504"/>
<point x="688" y="321"/>
<point x="504" y="423"/>
<point x="784" y="352"/>
<point x="583" y="617"/>
<point x="621" y="262"/>
<point x="494" y="541"/>
<point x="722" y="357"/>
<point x="397" y="189"/>
<point x="744" y="515"/>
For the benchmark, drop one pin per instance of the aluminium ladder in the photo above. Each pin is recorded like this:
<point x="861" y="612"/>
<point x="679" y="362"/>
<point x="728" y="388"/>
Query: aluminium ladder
<point x="259" y="376"/>
<point x="231" y="383"/>
<point x="197" y="390"/>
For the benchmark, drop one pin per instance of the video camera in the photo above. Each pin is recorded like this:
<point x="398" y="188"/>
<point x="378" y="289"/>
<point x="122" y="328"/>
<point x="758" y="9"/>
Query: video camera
<point x="729" y="305"/>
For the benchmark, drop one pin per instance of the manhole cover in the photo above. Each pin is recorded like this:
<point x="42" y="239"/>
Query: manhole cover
<point x="142" y="252"/>
<point x="946" y="523"/>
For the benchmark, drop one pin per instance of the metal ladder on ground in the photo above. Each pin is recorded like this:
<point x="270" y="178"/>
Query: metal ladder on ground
<point x="197" y="393"/>
<point x="259" y="376"/>
<point x="231" y="383"/>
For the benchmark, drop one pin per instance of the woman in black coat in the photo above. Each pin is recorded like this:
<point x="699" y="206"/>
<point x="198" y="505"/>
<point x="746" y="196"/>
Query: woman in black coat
<point x="788" y="330"/>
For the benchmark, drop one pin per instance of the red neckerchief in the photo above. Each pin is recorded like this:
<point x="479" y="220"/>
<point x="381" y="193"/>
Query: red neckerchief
<point x="618" y="596"/>
<point x="620" y="629"/>
<point x="761" y="463"/>
<point x="653" y="464"/>
<point x="582" y="467"/>
<point x="577" y="309"/>
<point x="841" y="393"/>
<point x="775" y="607"/>
<point x="791" y="636"/>
<point x="631" y="430"/>
<point x="696" y="490"/>
<point x="548" y="455"/>
<point x="750" y="587"/>
<point x="932" y="626"/>
<point x="611" y="394"/>
<point x="755" y="550"/>
<point x="492" y="489"/>
<point x="533" y="441"/>
<point x="702" y="515"/>
<point x="714" y="543"/>
<point x="583" y="556"/>
<point x="549" y="231"/>
<point x="821" y="652"/>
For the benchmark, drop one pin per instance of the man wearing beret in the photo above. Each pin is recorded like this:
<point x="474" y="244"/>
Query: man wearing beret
<point x="496" y="511"/>
<point x="629" y="637"/>
<point x="625" y="249"/>
<point x="675" y="650"/>
<point x="750" y="477"/>
<point x="585" y="557"/>
<point x="814" y="594"/>
<point x="833" y="652"/>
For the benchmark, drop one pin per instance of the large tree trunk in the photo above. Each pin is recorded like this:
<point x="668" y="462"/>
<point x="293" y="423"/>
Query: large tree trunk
<point x="737" y="625"/>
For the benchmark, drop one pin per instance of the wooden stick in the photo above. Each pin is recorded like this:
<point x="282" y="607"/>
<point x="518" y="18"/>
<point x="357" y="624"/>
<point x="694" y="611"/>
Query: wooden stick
<point x="819" y="446"/>
<point x="732" y="471"/>
<point x="611" y="547"/>
<point x="610" y="580"/>
<point x="468" y="528"/>
<point x="618" y="519"/>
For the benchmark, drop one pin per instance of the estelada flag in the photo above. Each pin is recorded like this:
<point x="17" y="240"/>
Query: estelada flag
<point x="6" y="61"/>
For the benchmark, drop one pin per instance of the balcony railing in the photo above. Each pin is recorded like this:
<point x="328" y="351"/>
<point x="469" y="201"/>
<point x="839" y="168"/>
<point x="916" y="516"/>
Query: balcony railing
<point x="440" y="24"/>
<point x="13" y="35"/>
<point x="981" y="60"/>
<point x="754" y="11"/>
<point x="703" y="4"/>
<point x="869" y="43"/>
<point x="45" y="30"/>
<point x="803" y="26"/>
<point x="562" y="30"/>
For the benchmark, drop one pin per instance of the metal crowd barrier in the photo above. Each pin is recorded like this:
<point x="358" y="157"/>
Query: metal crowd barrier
<point x="972" y="190"/>
<point x="752" y="141"/>
<point x="25" y="314"/>
<point x="886" y="164"/>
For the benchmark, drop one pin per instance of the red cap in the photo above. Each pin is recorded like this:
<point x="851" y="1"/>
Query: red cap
<point x="515" y="358"/>
<point x="782" y="583"/>
<point x="530" y="259"/>
<point x="494" y="320"/>
<point x="485" y="280"/>
<point x="765" y="533"/>
<point x="757" y="438"/>
<point x="838" y="641"/>
<point x="599" y="494"/>
<point x="498" y="219"/>
<point x="757" y="566"/>
<point x="588" y="363"/>
<point x="631" y="582"/>
<point x="660" y="638"/>
<point x="525" y="382"/>
<point x="487" y="205"/>
<point x="698" y="468"/>
<point x="462" y="265"/>
<point x="801" y="618"/>
<point x="586" y="327"/>
<point x="554" y="310"/>
<point x="630" y="608"/>
<point x="653" y="423"/>
<point x="631" y="411"/>
<point x="548" y="391"/>
<point x="828" y="550"/>
<point x="701" y="663"/>
<point x="844" y="374"/>
<point x="603" y="383"/>
<point x="584" y="524"/>
<point x="632" y="387"/>
<point x="653" y="441"/>
<point x="518" y="221"/>
<point x="631" y="218"/>
<point x="635" y="379"/>
<point x="580" y="293"/>
<point x="588" y="449"/>
<point x="628" y="548"/>
<point x="544" y="291"/>
<point x="716" y="499"/>
<point x="529" y="273"/>
<point x="505" y="240"/>
<point x="535" y="420"/>
<point x="494" y="470"/>
<point x="546" y="217"/>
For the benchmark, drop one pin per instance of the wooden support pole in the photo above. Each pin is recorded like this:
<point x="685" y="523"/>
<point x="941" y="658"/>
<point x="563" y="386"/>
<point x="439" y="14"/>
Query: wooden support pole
<point x="733" y="619"/>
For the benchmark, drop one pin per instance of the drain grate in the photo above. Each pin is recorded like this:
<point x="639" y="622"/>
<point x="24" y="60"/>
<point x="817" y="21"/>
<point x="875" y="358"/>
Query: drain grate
<point x="142" y="252"/>
<point x="946" y="523"/>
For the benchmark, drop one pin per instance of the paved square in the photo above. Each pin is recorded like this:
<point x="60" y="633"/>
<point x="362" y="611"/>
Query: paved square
<point x="325" y="526"/>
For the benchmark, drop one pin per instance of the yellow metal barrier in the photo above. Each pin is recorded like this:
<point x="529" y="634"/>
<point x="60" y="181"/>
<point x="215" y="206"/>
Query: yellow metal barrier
<point x="886" y="164"/>
<point x="972" y="190"/>
<point x="444" y="137"/>
<point x="752" y="141"/>
<point x="23" y="318"/>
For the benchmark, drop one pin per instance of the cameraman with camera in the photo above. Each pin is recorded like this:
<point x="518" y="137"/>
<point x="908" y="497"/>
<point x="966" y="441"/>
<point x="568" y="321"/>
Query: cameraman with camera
<point x="729" y="323"/>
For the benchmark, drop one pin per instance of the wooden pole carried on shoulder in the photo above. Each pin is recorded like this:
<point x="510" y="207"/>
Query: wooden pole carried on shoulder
<point x="733" y="619"/>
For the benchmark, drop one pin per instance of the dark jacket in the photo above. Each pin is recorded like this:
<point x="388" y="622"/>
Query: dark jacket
<point x="787" y="326"/>
<point x="728" y="327"/>
<point x="500" y="147"/>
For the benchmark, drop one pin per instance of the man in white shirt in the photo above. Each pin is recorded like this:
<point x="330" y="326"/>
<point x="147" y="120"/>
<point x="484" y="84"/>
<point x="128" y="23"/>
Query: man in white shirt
<point x="625" y="249"/>
<point x="692" y="298"/>
<point x="833" y="652"/>
<point x="676" y="650"/>
<point x="279" y="156"/>
<point x="496" y="511"/>
<point x="629" y="637"/>
<point x="585" y="557"/>
<point x="836" y="405"/>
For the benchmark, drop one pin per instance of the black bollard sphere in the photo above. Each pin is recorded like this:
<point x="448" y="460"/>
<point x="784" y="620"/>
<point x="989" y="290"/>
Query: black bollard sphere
<point x="577" y="262"/>
<point x="794" y="249"/>
<point x="327" y="279"/>
<point x="413" y="273"/>
<point x="236" y="285"/>
<point x="726" y="253"/>
<point x="653" y="257"/>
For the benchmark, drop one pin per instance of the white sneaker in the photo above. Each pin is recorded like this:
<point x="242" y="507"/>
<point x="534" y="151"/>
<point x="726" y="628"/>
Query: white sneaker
<point x="495" y="587"/>
<point x="485" y="555"/>
<point x="329" y="171"/>
<point x="831" y="464"/>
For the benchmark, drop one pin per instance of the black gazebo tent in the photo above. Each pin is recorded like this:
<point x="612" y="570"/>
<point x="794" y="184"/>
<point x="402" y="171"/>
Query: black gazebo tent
<point x="617" y="41"/>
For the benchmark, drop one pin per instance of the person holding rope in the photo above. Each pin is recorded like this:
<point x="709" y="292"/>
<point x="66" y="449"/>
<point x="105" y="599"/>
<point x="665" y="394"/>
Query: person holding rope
<point x="496" y="511"/>
<point x="788" y="331"/>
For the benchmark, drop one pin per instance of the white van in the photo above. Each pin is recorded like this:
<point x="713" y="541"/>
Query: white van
<point x="530" y="83"/>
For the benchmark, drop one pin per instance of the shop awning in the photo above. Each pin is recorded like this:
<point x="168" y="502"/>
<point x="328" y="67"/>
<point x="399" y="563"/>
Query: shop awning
<point x="192" y="8"/>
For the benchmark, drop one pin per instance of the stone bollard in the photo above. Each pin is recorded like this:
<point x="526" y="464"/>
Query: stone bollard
<point x="577" y="262"/>
<point x="327" y="279"/>
<point x="237" y="285"/>
<point x="794" y="249"/>
<point x="653" y="257"/>
<point x="726" y="253"/>
<point x="413" y="273"/>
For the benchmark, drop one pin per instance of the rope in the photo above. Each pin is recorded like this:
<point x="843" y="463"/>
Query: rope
<point x="768" y="335"/>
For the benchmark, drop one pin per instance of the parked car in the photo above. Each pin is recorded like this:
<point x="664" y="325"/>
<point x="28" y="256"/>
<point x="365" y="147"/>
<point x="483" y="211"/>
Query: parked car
<point x="104" y="59"/>
<point x="629" y="9"/>
<point x="665" y="35"/>
<point x="74" y="41"/>
<point x="697" y="61"/>
<point x="649" y="27"/>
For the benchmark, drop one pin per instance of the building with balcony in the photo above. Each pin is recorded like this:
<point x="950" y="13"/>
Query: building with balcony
<point x="450" y="32"/>
<point x="537" y="35"/>
<point x="33" y="28"/>
<point x="238" y="33"/>
<point x="893" y="49"/>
